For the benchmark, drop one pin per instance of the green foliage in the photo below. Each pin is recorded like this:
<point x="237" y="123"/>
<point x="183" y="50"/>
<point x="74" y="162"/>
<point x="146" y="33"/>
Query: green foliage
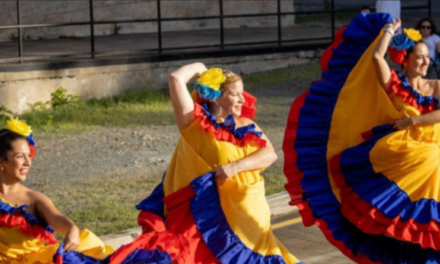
<point x="60" y="97"/>
<point x="116" y="29"/>
<point x="130" y="108"/>
<point x="5" y="111"/>
<point x="38" y="106"/>
<point x="13" y="37"/>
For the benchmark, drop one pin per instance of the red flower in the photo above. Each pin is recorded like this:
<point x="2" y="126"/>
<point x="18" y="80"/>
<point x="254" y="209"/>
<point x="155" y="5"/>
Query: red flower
<point x="398" y="56"/>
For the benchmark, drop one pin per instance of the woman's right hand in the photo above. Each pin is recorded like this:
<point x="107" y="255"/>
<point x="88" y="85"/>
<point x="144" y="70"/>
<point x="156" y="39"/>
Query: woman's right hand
<point x="71" y="240"/>
<point x="395" y="25"/>
<point x="181" y="99"/>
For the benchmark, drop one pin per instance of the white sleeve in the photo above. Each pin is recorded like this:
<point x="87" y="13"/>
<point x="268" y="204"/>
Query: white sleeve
<point x="436" y="38"/>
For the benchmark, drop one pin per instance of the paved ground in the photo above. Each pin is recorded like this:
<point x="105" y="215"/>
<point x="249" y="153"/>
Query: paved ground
<point x="308" y="244"/>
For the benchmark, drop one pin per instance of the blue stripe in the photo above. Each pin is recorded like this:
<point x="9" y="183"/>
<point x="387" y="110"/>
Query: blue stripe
<point x="229" y="123"/>
<point x="217" y="234"/>
<point x="154" y="202"/>
<point x="377" y="189"/>
<point x="420" y="99"/>
<point x="7" y="209"/>
<point x="211" y="223"/>
<point x="139" y="256"/>
<point x="311" y="145"/>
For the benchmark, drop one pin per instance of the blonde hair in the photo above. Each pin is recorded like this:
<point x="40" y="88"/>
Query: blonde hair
<point x="231" y="78"/>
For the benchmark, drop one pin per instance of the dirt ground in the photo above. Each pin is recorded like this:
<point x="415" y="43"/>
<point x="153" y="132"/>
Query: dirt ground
<point x="97" y="177"/>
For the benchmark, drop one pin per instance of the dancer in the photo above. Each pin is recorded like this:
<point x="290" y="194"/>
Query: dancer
<point x="212" y="196"/>
<point x="27" y="216"/>
<point x="361" y="146"/>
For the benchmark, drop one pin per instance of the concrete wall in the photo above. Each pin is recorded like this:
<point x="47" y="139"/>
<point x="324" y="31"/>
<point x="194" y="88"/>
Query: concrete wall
<point x="18" y="89"/>
<point x="47" y="12"/>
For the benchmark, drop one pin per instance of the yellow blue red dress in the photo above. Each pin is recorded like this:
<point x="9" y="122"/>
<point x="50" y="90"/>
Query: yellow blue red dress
<point x="374" y="191"/>
<point x="189" y="219"/>
<point x="25" y="239"/>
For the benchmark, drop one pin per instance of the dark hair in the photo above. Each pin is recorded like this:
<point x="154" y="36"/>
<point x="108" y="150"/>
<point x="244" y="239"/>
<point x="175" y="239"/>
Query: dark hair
<point x="365" y="7"/>
<point x="433" y="27"/>
<point x="7" y="137"/>
<point x="413" y="48"/>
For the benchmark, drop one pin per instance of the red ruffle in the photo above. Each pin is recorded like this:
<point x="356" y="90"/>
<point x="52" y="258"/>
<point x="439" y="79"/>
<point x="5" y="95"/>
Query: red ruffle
<point x="223" y="133"/>
<point x="406" y="95"/>
<point x="155" y="237"/>
<point x="328" y="53"/>
<point x="398" y="56"/>
<point x="293" y="174"/>
<point x="371" y="221"/>
<point x="248" y="109"/>
<point x="36" y="231"/>
<point x="179" y="236"/>
<point x="293" y="187"/>
<point x="32" y="150"/>
<point x="358" y="258"/>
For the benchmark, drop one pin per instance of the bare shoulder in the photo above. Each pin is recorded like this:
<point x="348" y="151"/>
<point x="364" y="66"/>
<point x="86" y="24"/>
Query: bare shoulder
<point x="38" y="197"/>
<point x="435" y="86"/>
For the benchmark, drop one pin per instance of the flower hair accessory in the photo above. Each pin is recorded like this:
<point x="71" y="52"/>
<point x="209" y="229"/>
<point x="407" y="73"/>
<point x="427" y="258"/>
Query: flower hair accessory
<point x="23" y="129"/>
<point x="208" y="84"/>
<point x="401" y="43"/>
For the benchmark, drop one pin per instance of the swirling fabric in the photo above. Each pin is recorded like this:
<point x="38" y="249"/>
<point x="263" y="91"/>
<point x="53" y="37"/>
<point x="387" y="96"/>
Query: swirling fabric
<point x="372" y="190"/>
<point x="24" y="239"/>
<point x="191" y="219"/>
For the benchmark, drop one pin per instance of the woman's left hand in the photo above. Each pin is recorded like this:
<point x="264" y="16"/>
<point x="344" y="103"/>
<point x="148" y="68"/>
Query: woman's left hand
<point x="404" y="123"/>
<point x="224" y="172"/>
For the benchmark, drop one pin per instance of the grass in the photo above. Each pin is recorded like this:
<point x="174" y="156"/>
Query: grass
<point x="143" y="107"/>
<point x="106" y="205"/>
<point x="131" y="108"/>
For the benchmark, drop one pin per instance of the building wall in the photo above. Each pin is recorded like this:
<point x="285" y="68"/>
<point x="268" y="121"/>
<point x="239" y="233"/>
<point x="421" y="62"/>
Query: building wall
<point x="19" y="89"/>
<point x="49" y="11"/>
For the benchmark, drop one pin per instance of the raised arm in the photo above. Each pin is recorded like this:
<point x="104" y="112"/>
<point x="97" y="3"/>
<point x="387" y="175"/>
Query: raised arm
<point x="60" y="223"/>
<point x="260" y="159"/>
<point x="382" y="69"/>
<point x="180" y="97"/>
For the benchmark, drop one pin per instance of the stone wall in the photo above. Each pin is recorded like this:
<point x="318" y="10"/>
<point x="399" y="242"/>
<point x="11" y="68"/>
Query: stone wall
<point x="66" y="11"/>
<point x="18" y="89"/>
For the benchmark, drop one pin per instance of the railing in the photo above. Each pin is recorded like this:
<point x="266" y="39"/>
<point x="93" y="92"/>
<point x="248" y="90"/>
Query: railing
<point x="222" y="48"/>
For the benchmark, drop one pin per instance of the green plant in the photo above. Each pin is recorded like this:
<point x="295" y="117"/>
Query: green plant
<point x="13" y="37"/>
<point x="116" y="29"/>
<point x="38" y="106"/>
<point x="60" y="97"/>
<point x="5" y="112"/>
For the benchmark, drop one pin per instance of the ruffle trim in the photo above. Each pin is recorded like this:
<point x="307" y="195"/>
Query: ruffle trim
<point x="217" y="234"/>
<point x="400" y="86"/>
<point x="306" y="163"/>
<point x="381" y="207"/>
<point x="202" y="199"/>
<point x="154" y="237"/>
<point x="226" y="130"/>
<point x="6" y="209"/>
<point x="137" y="256"/>
<point x="17" y="221"/>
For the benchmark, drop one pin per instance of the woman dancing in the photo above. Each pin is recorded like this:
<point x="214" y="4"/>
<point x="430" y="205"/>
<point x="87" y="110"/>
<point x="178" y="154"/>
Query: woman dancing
<point x="211" y="205"/>
<point x="362" y="146"/>
<point x="27" y="216"/>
